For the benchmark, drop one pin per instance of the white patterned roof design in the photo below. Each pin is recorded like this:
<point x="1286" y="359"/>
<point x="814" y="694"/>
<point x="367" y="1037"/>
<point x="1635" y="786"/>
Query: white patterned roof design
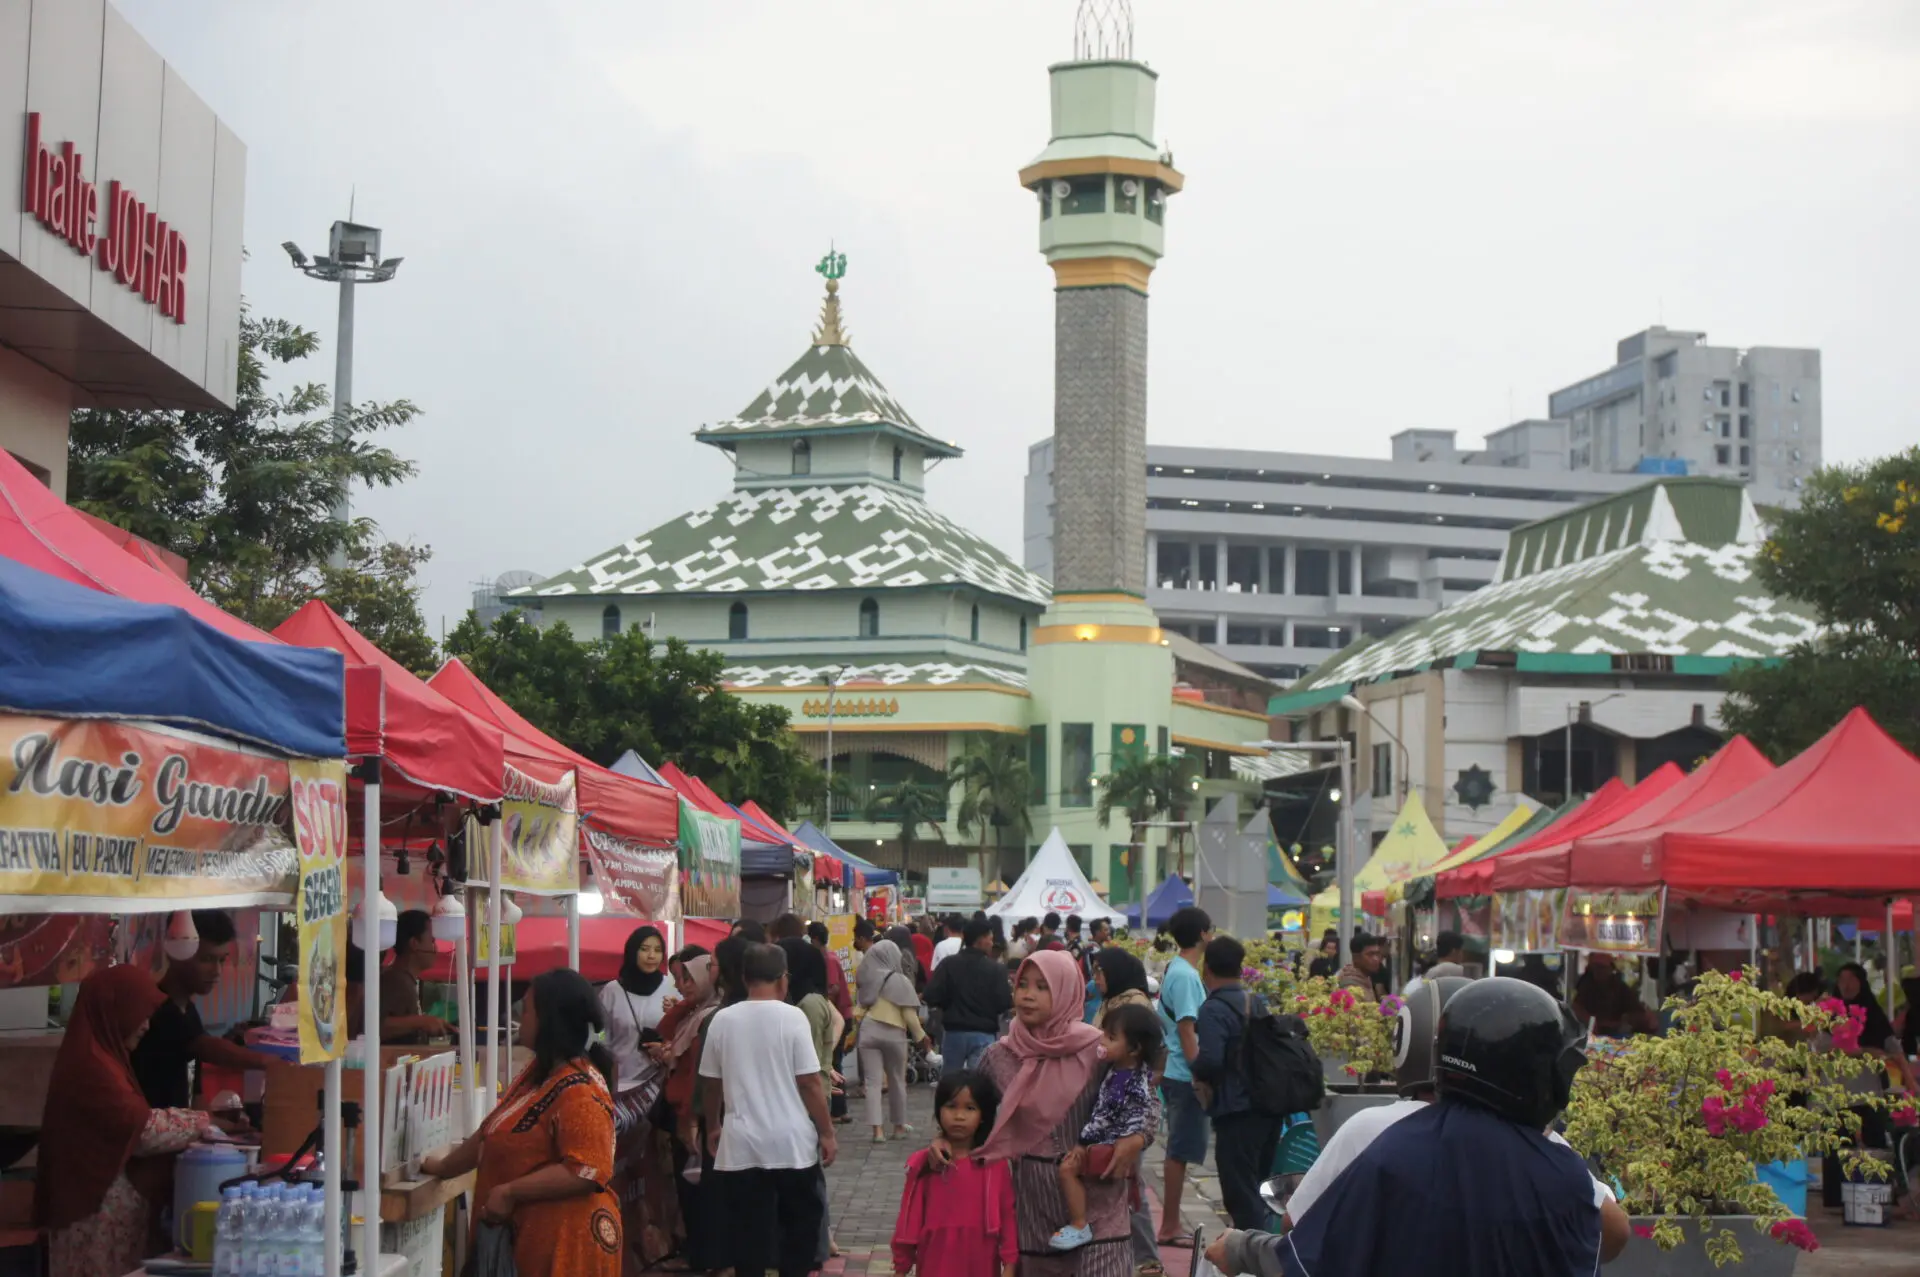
<point x="854" y="537"/>
<point x="1675" y="589"/>
<point x="826" y="386"/>
<point x="855" y="678"/>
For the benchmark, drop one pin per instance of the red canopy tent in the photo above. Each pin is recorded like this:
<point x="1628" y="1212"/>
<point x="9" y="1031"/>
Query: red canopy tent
<point x="695" y="791"/>
<point x="1475" y="878"/>
<point x="619" y="805"/>
<point x="42" y="531"/>
<point x="1734" y="767"/>
<point x="1545" y="865"/>
<point x="1815" y="836"/>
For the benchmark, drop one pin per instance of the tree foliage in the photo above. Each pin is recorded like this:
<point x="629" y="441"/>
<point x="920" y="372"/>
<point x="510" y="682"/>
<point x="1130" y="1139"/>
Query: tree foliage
<point x="995" y="787"/>
<point x="664" y="701"/>
<point x="911" y="804"/>
<point x="1146" y="787"/>
<point x="1851" y="552"/>
<point x="247" y="495"/>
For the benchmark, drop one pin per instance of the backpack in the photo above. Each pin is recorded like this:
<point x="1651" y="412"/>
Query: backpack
<point x="1279" y="1064"/>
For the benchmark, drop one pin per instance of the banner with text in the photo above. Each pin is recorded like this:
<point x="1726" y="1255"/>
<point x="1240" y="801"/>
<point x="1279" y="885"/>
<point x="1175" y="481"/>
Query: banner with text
<point x="102" y="817"/>
<point x="709" y="864"/>
<point x="542" y="831"/>
<point x="1527" y="921"/>
<point x="1626" y="922"/>
<point x="320" y="837"/>
<point x="640" y="881"/>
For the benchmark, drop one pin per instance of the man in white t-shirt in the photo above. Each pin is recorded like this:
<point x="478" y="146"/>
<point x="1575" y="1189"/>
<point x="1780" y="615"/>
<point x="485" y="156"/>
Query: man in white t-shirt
<point x="774" y="1134"/>
<point x="950" y="928"/>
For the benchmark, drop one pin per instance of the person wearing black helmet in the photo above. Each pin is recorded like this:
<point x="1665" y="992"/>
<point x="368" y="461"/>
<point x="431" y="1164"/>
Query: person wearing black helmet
<point x="1471" y="1183"/>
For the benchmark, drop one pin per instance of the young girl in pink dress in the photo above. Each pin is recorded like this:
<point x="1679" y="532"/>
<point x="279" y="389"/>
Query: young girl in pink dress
<point x="958" y="1222"/>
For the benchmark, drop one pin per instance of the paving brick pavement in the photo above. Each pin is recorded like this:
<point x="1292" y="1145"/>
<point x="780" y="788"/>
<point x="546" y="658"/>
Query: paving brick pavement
<point x="863" y="1193"/>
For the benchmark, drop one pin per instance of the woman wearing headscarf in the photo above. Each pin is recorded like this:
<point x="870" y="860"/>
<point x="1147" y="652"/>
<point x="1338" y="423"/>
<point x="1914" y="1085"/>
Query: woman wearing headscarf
<point x="102" y="1168"/>
<point x="682" y="1030"/>
<point x="892" y="1021"/>
<point x="1877" y="1039"/>
<point x="1118" y="978"/>
<point x="912" y="965"/>
<point x="1049" y="1069"/>
<point x="634" y="1004"/>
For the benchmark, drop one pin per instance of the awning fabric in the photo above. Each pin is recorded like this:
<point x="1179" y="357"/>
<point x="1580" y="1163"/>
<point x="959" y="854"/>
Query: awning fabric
<point x="1831" y="823"/>
<point x="620" y="805"/>
<point x="1053" y="883"/>
<point x="1734" y="767"/>
<point x="869" y="874"/>
<point x="42" y="531"/>
<point x="73" y="652"/>
<point x="1545" y="863"/>
<point x="1475" y="878"/>
<point x="1162" y="903"/>
<point x="431" y="742"/>
<point x="1411" y="848"/>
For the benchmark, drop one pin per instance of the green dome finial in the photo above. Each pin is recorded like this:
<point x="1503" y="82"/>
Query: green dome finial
<point x="833" y="266"/>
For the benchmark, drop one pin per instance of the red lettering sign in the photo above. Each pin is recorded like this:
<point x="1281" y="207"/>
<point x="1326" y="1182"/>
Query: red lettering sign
<point x="137" y="248"/>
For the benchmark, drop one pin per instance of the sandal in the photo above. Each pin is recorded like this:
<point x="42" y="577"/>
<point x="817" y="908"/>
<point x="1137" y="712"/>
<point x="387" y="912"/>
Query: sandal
<point x="1180" y="1241"/>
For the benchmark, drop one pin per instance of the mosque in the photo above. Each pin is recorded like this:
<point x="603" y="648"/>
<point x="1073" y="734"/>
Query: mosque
<point x="834" y="589"/>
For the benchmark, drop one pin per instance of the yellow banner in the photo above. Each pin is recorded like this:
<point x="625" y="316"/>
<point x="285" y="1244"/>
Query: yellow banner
<point x="539" y="851"/>
<point x="320" y="836"/>
<point x="1623" y="922"/>
<point x="102" y="817"/>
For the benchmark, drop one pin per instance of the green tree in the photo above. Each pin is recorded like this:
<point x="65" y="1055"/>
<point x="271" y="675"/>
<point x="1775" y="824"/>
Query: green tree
<point x="662" y="700"/>
<point x="1851" y="552"/>
<point x="996" y="786"/>
<point x="377" y="593"/>
<point x="911" y="804"/>
<point x="245" y="494"/>
<point x="1146" y="787"/>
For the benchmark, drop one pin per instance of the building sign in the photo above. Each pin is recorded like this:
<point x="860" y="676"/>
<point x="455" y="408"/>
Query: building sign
<point x="320" y="835"/>
<point x="100" y="816"/>
<point x="853" y="707"/>
<point x="953" y="888"/>
<point x="126" y="238"/>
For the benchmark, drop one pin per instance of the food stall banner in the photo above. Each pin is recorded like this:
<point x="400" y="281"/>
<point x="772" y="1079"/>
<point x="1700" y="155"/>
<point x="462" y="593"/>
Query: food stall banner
<point x="542" y="822"/>
<point x="320" y="836"/>
<point x="1624" y="922"/>
<point x="634" y="879"/>
<point x="709" y="864"/>
<point x="1527" y="921"/>
<point x="98" y="816"/>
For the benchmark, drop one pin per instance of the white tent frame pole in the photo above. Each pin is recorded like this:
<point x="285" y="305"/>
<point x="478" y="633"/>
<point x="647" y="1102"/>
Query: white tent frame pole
<point x="331" y="1143"/>
<point x="495" y="839"/>
<point x="463" y="991"/>
<point x="370" y="1141"/>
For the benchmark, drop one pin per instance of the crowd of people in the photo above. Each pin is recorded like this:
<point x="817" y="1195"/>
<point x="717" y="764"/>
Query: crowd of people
<point x="681" y="1116"/>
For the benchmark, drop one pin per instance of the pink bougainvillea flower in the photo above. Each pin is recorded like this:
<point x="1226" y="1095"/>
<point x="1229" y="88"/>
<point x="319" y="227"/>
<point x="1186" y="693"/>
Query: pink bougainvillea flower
<point x="1735" y="976"/>
<point x="1724" y="1078"/>
<point x="1713" y="1112"/>
<point x="1644" y="1231"/>
<point x="1795" y="1232"/>
<point x="1906" y="1115"/>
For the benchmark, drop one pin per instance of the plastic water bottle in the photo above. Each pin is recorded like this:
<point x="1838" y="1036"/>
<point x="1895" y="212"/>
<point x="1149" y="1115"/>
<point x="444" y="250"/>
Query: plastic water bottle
<point x="313" y="1233"/>
<point x="268" y="1213"/>
<point x="248" y="1226"/>
<point x="293" y="1222"/>
<point x="226" y="1235"/>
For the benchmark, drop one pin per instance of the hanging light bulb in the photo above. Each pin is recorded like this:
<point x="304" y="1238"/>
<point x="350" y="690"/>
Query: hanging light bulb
<point x="510" y="914"/>
<point x="591" y="901"/>
<point x="183" y="938"/>
<point x="389" y="919"/>
<point x="449" y="919"/>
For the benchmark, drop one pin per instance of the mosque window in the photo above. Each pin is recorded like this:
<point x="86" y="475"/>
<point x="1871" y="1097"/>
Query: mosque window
<point x="737" y="621"/>
<point x="1023" y="633"/>
<point x="1126" y="195"/>
<point x="869" y="619"/>
<point x="610" y="621"/>
<point x="1085" y="195"/>
<point x="974" y="628"/>
<point x="1156" y="202"/>
<point x="802" y="457"/>
<point x="898" y="457"/>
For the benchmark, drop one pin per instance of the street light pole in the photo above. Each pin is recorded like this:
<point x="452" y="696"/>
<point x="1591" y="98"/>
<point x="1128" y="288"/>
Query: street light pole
<point x="833" y="673"/>
<point x="353" y="257"/>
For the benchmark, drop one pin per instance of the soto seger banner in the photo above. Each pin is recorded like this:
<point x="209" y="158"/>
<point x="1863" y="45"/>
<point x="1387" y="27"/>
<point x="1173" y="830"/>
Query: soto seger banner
<point x="102" y="817"/>
<point x="320" y="836"/>
<point x="542" y="820"/>
<point x="1627" y="922"/>
<point x="709" y="864"/>
<point x="637" y="880"/>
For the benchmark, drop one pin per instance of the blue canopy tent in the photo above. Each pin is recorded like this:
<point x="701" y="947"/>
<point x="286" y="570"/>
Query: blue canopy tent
<point x="1162" y="902"/>
<point x="72" y="652"/>
<point x="810" y="834"/>
<point x="1281" y="898"/>
<point x="631" y="764"/>
<point x="761" y="854"/>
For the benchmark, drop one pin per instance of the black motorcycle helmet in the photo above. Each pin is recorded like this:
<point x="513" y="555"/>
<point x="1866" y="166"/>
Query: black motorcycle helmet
<point x="1511" y="1047"/>
<point x="1413" y="1034"/>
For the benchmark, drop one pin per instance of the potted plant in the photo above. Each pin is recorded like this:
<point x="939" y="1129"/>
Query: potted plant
<point x="1355" y="1039"/>
<point x="1678" y="1123"/>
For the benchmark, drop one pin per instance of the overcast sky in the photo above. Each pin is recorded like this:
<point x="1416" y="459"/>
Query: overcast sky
<point x="1413" y="214"/>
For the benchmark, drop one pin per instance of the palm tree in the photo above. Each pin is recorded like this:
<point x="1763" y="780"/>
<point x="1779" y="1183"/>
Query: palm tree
<point x="840" y="791"/>
<point x="911" y="804"/>
<point x="1146" y="787"/>
<point x="995" y="787"/>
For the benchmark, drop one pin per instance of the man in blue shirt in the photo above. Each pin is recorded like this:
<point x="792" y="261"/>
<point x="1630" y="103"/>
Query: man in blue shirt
<point x="1181" y="993"/>
<point x="1245" y="1139"/>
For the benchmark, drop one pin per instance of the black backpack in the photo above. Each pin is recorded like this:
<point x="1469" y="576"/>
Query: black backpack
<point x="1281" y="1068"/>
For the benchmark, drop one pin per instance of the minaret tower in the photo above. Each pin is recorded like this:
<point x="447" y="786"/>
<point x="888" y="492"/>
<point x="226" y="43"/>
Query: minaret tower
<point x="1102" y="186"/>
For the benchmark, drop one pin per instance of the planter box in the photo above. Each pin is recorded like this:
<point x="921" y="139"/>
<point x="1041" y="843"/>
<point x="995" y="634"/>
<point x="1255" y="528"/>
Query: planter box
<point x="1763" y="1256"/>
<point x="1339" y="1106"/>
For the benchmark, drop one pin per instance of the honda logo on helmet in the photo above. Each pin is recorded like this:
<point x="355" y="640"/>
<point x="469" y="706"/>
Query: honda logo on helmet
<point x="1455" y="1062"/>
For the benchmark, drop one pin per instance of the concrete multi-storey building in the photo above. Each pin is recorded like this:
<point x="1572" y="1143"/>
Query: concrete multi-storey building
<point x="1277" y="560"/>
<point x="1671" y="404"/>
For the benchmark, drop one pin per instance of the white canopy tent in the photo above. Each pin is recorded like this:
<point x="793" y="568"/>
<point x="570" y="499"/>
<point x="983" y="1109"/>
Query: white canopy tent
<point x="1053" y="883"/>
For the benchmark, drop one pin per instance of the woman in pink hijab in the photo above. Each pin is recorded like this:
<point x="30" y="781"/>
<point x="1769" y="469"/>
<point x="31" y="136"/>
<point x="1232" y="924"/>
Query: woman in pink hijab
<point x="1049" y="1069"/>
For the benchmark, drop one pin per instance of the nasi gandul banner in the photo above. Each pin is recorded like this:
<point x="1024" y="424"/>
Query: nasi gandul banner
<point x="540" y="836"/>
<point x="103" y="817"/>
<point x="320" y="835"/>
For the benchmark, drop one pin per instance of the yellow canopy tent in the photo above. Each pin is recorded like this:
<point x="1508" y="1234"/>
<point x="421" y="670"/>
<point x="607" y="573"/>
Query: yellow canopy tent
<point x="1412" y="846"/>
<point x="1483" y="845"/>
